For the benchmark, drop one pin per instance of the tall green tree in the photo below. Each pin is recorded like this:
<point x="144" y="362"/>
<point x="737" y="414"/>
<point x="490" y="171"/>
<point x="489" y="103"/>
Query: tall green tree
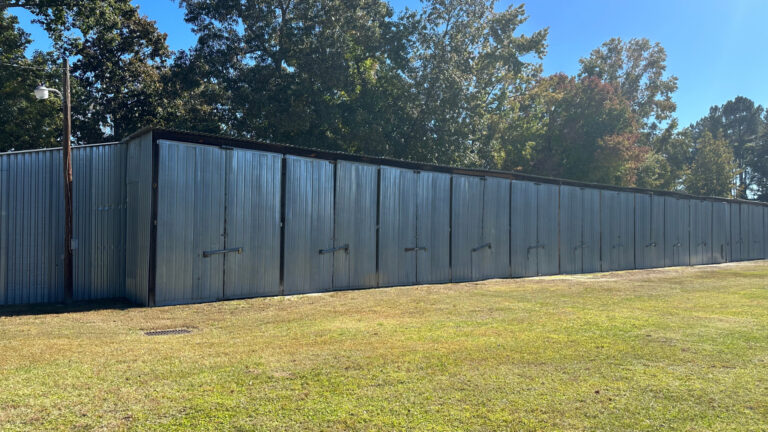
<point x="118" y="61"/>
<point x="741" y="124"/>
<point x="713" y="169"/>
<point x="25" y="122"/>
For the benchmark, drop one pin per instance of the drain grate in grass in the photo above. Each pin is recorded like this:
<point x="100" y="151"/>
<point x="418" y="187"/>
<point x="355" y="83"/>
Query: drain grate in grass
<point x="167" y="332"/>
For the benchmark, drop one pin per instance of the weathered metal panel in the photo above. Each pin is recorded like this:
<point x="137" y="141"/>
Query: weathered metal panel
<point x="745" y="225"/>
<point x="397" y="227"/>
<point x="308" y="225"/>
<point x="643" y="242"/>
<point x="756" y="222"/>
<point x="467" y="228"/>
<point x="493" y="261"/>
<point x="190" y="221"/>
<point x="721" y="234"/>
<point x="433" y="228"/>
<point x="252" y="224"/>
<point x="765" y="232"/>
<point x="548" y="262"/>
<point x="572" y="244"/>
<point x="677" y="232"/>
<point x="701" y="232"/>
<point x="617" y="210"/>
<point x="734" y="210"/>
<point x="99" y="209"/>
<point x="591" y="230"/>
<point x="31" y="227"/>
<point x="355" y="226"/>
<point x="524" y="232"/>
<point x="138" y="218"/>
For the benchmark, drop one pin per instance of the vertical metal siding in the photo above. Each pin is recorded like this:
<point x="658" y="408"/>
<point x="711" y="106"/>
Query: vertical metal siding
<point x="721" y="225"/>
<point x="253" y="224"/>
<point x="190" y="220"/>
<point x="618" y="220"/>
<point x="308" y="225"/>
<point x="591" y="230"/>
<point x="524" y="232"/>
<point x="643" y="242"/>
<point x="677" y="232"/>
<point x="493" y="261"/>
<point x="701" y="232"/>
<point x="756" y="221"/>
<point x="355" y="225"/>
<point x="745" y="225"/>
<point x="571" y="229"/>
<point x="397" y="227"/>
<point x="99" y="209"/>
<point x="467" y="229"/>
<point x="433" y="228"/>
<point x="138" y="218"/>
<point x="31" y="229"/>
<point x="547" y="214"/>
<point x="734" y="215"/>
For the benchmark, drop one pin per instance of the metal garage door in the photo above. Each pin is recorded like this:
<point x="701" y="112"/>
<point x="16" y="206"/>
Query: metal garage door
<point x="467" y="225"/>
<point x="524" y="209"/>
<point x="397" y="227"/>
<point x="414" y="237"/>
<point x="736" y="240"/>
<point x="617" y="214"/>
<point x="252" y="265"/>
<point x="492" y="261"/>
<point x="355" y="226"/>
<point x="579" y="230"/>
<point x="433" y="228"/>
<point x="701" y="232"/>
<point x="677" y="232"/>
<point x="745" y="225"/>
<point x="190" y="223"/>
<point x="309" y="245"/>
<point x="547" y="215"/>
<point x="721" y="234"/>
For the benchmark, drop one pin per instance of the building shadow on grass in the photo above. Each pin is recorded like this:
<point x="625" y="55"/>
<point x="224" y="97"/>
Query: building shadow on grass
<point x="61" y="308"/>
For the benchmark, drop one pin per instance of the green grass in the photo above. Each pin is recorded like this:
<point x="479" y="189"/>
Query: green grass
<point x="671" y="349"/>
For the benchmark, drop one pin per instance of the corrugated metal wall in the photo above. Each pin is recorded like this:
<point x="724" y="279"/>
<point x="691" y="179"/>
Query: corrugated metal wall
<point x="467" y="230"/>
<point x="347" y="225"/>
<point x="433" y="228"/>
<point x="355" y="226"/>
<point x="252" y="224"/>
<point x="617" y="213"/>
<point x="308" y="226"/>
<point x="138" y="215"/>
<point x="736" y="240"/>
<point x="524" y="232"/>
<point x="721" y="233"/>
<point x="677" y="232"/>
<point x="397" y="227"/>
<point x="190" y="222"/>
<point x="493" y="261"/>
<point x="31" y="227"/>
<point x="701" y="232"/>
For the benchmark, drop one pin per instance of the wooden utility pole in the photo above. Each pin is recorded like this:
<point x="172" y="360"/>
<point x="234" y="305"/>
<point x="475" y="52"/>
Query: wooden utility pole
<point x="67" y="158"/>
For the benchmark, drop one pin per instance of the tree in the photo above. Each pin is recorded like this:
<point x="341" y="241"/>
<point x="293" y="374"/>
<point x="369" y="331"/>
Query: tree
<point x="591" y="133"/>
<point x="119" y="61"/>
<point x="468" y="70"/>
<point x="25" y="122"/>
<point x="713" y="169"/>
<point x="741" y="125"/>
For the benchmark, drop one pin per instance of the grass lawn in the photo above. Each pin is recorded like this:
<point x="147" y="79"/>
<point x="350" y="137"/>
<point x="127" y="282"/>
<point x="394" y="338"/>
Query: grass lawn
<point x="679" y="349"/>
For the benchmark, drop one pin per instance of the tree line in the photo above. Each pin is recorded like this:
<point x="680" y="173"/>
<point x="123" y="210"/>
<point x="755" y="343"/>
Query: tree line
<point x="454" y="82"/>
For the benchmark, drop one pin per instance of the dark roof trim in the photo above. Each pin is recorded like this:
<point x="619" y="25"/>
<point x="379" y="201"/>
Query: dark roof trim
<point x="224" y="141"/>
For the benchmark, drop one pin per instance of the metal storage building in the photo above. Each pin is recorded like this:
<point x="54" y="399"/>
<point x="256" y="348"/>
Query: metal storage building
<point x="169" y="217"/>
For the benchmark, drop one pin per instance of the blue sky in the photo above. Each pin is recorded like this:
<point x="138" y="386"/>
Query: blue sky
<point x="715" y="48"/>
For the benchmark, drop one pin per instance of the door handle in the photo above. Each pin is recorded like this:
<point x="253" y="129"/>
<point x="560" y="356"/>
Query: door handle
<point x="482" y="246"/>
<point x="415" y="249"/>
<point x="209" y="253"/>
<point x="345" y="248"/>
